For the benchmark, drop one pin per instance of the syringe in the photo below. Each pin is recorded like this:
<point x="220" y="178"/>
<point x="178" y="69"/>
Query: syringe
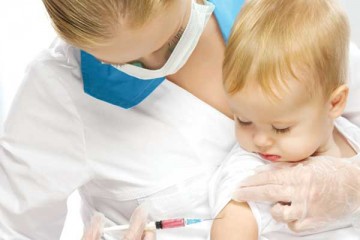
<point x="163" y="224"/>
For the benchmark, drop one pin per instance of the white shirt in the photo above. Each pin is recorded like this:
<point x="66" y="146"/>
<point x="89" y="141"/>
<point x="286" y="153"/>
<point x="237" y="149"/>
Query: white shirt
<point x="240" y="165"/>
<point x="57" y="139"/>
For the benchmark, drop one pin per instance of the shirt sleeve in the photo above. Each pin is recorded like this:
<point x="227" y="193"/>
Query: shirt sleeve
<point x="238" y="165"/>
<point x="352" y="110"/>
<point x="42" y="156"/>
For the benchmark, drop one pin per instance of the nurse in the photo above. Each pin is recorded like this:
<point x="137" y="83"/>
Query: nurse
<point x="96" y="113"/>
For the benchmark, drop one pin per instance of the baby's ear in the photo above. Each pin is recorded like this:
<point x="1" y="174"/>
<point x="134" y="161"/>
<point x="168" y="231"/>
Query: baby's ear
<point x="338" y="101"/>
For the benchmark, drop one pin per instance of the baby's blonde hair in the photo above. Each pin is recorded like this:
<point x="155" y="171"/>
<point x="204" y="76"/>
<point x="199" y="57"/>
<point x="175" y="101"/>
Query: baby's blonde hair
<point x="88" y="23"/>
<point x="274" y="40"/>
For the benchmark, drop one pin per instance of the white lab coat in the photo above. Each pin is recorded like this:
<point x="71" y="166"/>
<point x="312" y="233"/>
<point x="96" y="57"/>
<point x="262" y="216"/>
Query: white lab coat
<point x="58" y="139"/>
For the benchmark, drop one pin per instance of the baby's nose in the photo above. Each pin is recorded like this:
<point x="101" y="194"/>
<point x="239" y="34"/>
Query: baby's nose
<point x="262" y="140"/>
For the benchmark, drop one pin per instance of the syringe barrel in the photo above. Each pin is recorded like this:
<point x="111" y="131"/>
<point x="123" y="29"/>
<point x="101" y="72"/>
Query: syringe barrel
<point x="173" y="223"/>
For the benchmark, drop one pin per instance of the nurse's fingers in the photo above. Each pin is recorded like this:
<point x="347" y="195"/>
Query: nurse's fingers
<point x="149" y="235"/>
<point x="94" y="230"/>
<point x="284" y="174"/>
<point x="286" y="213"/>
<point x="263" y="178"/>
<point x="267" y="193"/>
<point x="307" y="224"/>
<point x="137" y="224"/>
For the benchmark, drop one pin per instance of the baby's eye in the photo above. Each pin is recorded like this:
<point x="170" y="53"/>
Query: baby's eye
<point x="281" y="130"/>
<point x="243" y="123"/>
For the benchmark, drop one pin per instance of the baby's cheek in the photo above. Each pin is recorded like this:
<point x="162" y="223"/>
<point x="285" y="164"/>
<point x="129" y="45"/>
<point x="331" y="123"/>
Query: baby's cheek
<point x="244" y="141"/>
<point x="297" y="149"/>
<point x="240" y="134"/>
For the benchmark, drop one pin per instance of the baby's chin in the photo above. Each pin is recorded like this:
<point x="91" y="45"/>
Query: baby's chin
<point x="293" y="159"/>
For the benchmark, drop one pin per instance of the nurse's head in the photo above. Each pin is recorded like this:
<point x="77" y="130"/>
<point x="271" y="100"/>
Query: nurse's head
<point x="285" y="73"/>
<point x="121" y="31"/>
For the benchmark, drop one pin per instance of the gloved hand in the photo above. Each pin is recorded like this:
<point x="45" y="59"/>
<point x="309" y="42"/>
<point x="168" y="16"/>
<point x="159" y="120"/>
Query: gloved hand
<point x="94" y="230"/>
<point x="136" y="230"/>
<point x="308" y="195"/>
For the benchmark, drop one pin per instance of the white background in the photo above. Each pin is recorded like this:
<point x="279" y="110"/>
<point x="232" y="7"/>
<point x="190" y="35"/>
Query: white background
<point x="25" y="29"/>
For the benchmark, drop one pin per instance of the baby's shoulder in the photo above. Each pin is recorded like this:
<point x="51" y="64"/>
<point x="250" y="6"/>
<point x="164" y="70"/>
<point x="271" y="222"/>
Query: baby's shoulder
<point x="349" y="130"/>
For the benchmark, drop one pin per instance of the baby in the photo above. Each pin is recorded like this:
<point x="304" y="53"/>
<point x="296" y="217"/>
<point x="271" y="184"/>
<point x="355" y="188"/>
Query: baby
<point x="285" y="73"/>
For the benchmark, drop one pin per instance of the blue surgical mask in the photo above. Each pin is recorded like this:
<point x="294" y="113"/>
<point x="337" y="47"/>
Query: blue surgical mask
<point x="104" y="82"/>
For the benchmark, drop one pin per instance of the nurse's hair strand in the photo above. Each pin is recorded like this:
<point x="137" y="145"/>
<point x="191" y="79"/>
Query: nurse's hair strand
<point x="88" y="23"/>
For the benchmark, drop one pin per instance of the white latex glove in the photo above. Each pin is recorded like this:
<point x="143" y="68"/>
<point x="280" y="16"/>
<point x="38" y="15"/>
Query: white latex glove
<point x="136" y="230"/>
<point x="94" y="230"/>
<point x="318" y="192"/>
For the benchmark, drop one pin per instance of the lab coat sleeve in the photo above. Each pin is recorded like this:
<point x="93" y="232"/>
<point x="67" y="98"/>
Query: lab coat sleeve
<point x="352" y="110"/>
<point x="238" y="165"/>
<point x="42" y="157"/>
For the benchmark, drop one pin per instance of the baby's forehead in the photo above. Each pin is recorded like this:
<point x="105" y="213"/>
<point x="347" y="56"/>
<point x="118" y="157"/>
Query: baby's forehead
<point x="257" y="106"/>
<point x="284" y="82"/>
<point x="254" y="101"/>
<point x="291" y="90"/>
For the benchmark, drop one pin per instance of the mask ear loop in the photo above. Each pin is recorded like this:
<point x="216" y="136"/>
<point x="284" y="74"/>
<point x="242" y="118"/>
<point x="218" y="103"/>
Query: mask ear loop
<point x="172" y="44"/>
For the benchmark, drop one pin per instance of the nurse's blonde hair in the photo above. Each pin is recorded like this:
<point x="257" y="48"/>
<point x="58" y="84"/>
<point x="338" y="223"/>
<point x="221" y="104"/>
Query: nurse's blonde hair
<point x="274" y="40"/>
<point x="88" y="23"/>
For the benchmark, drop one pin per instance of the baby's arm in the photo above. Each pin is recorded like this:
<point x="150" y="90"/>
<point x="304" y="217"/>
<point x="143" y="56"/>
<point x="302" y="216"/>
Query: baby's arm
<point x="236" y="222"/>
